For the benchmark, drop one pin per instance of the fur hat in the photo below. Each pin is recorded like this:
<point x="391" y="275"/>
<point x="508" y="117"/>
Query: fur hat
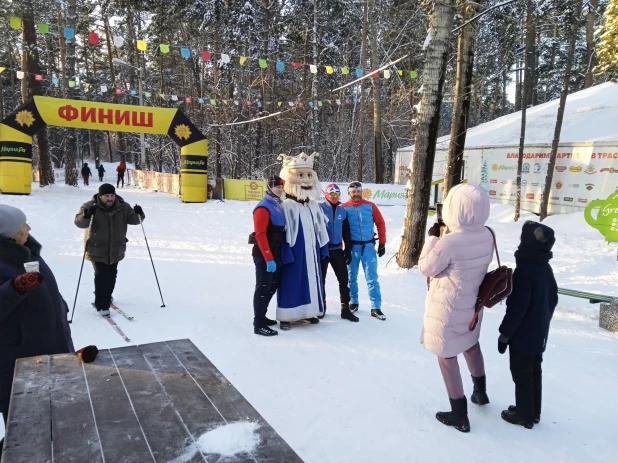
<point x="11" y="220"/>
<point x="107" y="189"/>
<point x="536" y="237"/>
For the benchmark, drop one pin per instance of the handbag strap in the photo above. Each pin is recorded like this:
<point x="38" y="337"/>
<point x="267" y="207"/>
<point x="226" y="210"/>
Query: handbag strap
<point x="495" y="245"/>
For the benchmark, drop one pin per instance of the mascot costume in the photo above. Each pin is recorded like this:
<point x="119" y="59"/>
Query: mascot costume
<point x="301" y="293"/>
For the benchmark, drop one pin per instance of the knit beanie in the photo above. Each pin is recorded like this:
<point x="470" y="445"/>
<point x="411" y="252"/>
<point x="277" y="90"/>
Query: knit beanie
<point x="107" y="189"/>
<point x="275" y="180"/>
<point x="11" y="220"/>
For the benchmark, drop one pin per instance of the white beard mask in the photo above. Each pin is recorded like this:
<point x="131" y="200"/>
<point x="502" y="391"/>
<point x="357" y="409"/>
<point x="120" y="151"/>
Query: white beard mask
<point x="301" y="181"/>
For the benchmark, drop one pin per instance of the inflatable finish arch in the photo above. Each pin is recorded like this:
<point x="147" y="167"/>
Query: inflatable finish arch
<point x="17" y="130"/>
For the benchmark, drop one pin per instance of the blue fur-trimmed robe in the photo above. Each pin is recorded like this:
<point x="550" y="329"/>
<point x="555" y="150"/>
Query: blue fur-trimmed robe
<point x="300" y="294"/>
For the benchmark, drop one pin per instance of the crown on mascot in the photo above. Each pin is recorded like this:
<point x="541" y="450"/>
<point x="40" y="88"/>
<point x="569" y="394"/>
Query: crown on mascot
<point x="302" y="160"/>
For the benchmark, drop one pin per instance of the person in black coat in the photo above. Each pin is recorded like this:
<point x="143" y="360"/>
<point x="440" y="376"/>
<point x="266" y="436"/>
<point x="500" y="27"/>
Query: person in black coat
<point x="529" y="310"/>
<point x="33" y="314"/>
<point x="86" y="173"/>
<point x="101" y="170"/>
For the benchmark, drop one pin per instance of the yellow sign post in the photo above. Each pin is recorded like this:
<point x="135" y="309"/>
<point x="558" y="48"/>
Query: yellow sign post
<point x="17" y="130"/>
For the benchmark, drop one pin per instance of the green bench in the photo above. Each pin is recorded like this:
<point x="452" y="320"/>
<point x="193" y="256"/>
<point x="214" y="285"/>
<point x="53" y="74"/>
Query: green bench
<point x="592" y="297"/>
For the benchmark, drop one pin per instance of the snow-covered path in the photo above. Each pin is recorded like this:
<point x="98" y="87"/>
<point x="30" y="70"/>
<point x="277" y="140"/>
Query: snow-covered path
<point x="338" y="391"/>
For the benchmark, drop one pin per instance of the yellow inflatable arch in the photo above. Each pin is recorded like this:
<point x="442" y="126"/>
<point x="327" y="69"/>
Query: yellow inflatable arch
<point x="17" y="130"/>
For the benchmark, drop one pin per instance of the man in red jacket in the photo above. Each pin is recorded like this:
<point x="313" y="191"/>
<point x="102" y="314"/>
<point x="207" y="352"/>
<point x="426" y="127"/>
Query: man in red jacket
<point x="269" y="226"/>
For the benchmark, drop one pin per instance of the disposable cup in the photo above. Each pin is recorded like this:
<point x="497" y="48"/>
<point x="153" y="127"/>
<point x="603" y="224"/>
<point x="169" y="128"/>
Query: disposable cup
<point x="31" y="266"/>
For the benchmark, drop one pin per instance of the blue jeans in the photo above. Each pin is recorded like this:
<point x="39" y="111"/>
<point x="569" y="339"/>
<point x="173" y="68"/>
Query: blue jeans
<point x="369" y="260"/>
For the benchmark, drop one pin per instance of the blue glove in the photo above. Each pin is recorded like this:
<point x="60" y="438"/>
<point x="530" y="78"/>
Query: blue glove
<point x="271" y="266"/>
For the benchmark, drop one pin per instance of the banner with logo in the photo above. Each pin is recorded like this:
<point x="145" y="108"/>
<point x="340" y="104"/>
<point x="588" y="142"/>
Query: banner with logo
<point x="581" y="174"/>
<point x="244" y="190"/>
<point x="156" y="181"/>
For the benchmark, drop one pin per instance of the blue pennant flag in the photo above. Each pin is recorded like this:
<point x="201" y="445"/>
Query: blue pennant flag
<point x="69" y="33"/>
<point x="55" y="80"/>
<point x="133" y="92"/>
<point x="280" y="66"/>
<point x="200" y="100"/>
<point x="359" y="72"/>
<point x="185" y="52"/>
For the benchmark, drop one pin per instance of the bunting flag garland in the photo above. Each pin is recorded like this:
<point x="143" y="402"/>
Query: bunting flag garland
<point x="359" y="72"/>
<point x="263" y="63"/>
<point x="1" y="69"/>
<point x="213" y="102"/>
<point x="72" y="83"/>
<point x="103" y="88"/>
<point x="55" y="80"/>
<point x="413" y="74"/>
<point x="187" y="99"/>
<point x="329" y="69"/>
<point x="163" y="48"/>
<point x="118" y="91"/>
<point x="345" y="71"/>
<point x="387" y="74"/>
<point x="43" y="28"/>
<point x="313" y="68"/>
<point x="185" y="52"/>
<point x="118" y="41"/>
<point x="200" y="100"/>
<point x="69" y="33"/>
<point x="133" y="92"/>
<point x="38" y="77"/>
<point x="295" y="64"/>
<point x="206" y="55"/>
<point x="147" y="94"/>
<point x="19" y="75"/>
<point x="242" y="60"/>
<point x="225" y="58"/>
<point x="142" y="45"/>
<point x="174" y="98"/>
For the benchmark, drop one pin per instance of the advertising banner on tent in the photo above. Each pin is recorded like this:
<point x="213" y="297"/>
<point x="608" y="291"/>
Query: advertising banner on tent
<point x="581" y="175"/>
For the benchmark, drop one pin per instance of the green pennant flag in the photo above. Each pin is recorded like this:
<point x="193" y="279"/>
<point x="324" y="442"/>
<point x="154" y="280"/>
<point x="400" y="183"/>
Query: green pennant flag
<point x="345" y="71"/>
<point x="319" y="104"/>
<point x="213" y="102"/>
<point x="263" y="63"/>
<point x="164" y="48"/>
<point x="43" y="28"/>
<point x="71" y="83"/>
<point x="15" y="22"/>
<point x="279" y="103"/>
<point x="147" y="94"/>
<point x="413" y="74"/>
<point x="268" y="102"/>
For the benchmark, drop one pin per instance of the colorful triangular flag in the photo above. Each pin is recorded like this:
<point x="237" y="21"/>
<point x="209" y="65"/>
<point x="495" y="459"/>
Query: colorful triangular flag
<point x="142" y="45"/>
<point x="185" y="52"/>
<point x="205" y="55"/>
<point x="345" y="71"/>
<point x="133" y="92"/>
<point x="313" y="68"/>
<point x="118" y="41"/>
<point x="295" y="64"/>
<point x="93" y="38"/>
<point x="338" y="101"/>
<point x="19" y="74"/>
<point x="15" y="22"/>
<point x="329" y="69"/>
<point x="413" y="74"/>
<point x="55" y="80"/>
<point x="69" y="33"/>
<point x="242" y="60"/>
<point x="359" y="72"/>
<point x="225" y="58"/>
<point x="291" y="103"/>
<point x="2" y="69"/>
<point x="187" y="99"/>
<point x="72" y="83"/>
<point x="103" y="88"/>
<point x="174" y="97"/>
<point x="164" y="48"/>
<point x="387" y="74"/>
<point x="43" y="28"/>
<point x="118" y="91"/>
<point x="213" y="102"/>
<point x="263" y="63"/>
<point x="200" y="100"/>
<point x="38" y="77"/>
<point x="280" y="66"/>
<point x="400" y="72"/>
<point x="319" y="104"/>
<point x="279" y="103"/>
<point x="147" y="94"/>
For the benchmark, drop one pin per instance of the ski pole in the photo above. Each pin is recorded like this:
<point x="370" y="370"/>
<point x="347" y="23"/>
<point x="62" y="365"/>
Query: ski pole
<point x="81" y="269"/>
<point x="151" y="261"/>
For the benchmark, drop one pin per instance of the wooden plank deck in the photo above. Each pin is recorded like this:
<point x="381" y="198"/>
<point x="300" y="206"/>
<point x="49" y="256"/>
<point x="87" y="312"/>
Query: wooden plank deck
<point x="133" y="404"/>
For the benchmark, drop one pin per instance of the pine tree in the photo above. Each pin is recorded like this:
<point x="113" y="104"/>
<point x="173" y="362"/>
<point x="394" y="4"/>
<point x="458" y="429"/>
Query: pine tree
<point x="607" y="47"/>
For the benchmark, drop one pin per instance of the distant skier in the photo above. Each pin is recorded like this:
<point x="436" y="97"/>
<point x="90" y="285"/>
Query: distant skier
<point x="106" y="245"/>
<point x="122" y="167"/>
<point x="101" y="170"/>
<point x="86" y="173"/>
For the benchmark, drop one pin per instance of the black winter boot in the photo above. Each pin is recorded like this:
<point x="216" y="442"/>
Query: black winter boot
<point x="511" y="416"/>
<point x="353" y="307"/>
<point x="537" y="418"/>
<point x="479" y="396"/>
<point x="457" y="417"/>
<point x="346" y="314"/>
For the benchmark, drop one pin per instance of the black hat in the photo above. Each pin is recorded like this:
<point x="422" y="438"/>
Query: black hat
<point x="107" y="189"/>
<point x="536" y="236"/>
<point x="275" y="180"/>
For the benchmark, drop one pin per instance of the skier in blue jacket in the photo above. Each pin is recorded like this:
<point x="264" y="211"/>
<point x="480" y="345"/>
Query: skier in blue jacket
<point x="338" y="234"/>
<point x="363" y="216"/>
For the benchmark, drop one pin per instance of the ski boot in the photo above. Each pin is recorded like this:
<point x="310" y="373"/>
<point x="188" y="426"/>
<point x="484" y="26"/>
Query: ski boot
<point x="378" y="314"/>
<point x="353" y="307"/>
<point x="457" y="417"/>
<point x="346" y="314"/>
<point x="479" y="396"/>
<point x="104" y="313"/>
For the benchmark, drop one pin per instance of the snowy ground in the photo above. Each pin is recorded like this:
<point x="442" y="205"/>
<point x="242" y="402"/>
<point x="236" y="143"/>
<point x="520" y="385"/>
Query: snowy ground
<point x="338" y="391"/>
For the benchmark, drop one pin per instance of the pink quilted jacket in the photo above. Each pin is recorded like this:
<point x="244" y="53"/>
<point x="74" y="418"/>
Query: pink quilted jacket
<point x="457" y="264"/>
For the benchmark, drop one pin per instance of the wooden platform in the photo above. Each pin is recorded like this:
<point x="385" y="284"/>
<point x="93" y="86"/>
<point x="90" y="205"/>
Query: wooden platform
<point x="133" y="404"/>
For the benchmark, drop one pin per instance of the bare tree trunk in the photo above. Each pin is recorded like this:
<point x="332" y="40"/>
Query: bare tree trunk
<point x="361" y="99"/>
<point x="563" y="96"/>
<point x="314" y="84"/>
<point x="526" y="99"/>
<point x="415" y="220"/>
<point x="32" y="87"/>
<point x="68" y="72"/>
<point x="375" y="84"/>
<point x="590" y="57"/>
<point x="463" y="90"/>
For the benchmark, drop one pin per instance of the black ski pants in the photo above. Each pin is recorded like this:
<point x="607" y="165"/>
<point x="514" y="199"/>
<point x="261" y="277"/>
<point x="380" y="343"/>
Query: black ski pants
<point x="266" y="284"/>
<point x="527" y="376"/>
<point x="104" y="284"/>
<point x="120" y="179"/>
<point x="336" y="259"/>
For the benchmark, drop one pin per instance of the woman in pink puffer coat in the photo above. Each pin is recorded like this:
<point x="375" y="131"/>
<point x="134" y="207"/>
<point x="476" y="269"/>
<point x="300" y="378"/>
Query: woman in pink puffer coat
<point x="455" y="258"/>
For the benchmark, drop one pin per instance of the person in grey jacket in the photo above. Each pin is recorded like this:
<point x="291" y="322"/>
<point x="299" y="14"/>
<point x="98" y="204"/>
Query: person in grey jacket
<point x="106" y="239"/>
<point x="33" y="314"/>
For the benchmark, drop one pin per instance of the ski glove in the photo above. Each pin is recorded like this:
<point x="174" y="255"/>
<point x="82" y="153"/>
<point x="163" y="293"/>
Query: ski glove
<point x="434" y="230"/>
<point x="381" y="249"/>
<point x="139" y="211"/>
<point x="503" y="342"/>
<point x="24" y="283"/>
<point x="271" y="266"/>
<point x="90" y="212"/>
<point x="348" y="256"/>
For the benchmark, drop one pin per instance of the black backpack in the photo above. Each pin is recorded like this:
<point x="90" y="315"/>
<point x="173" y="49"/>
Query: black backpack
<point x="496" y="286"/>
